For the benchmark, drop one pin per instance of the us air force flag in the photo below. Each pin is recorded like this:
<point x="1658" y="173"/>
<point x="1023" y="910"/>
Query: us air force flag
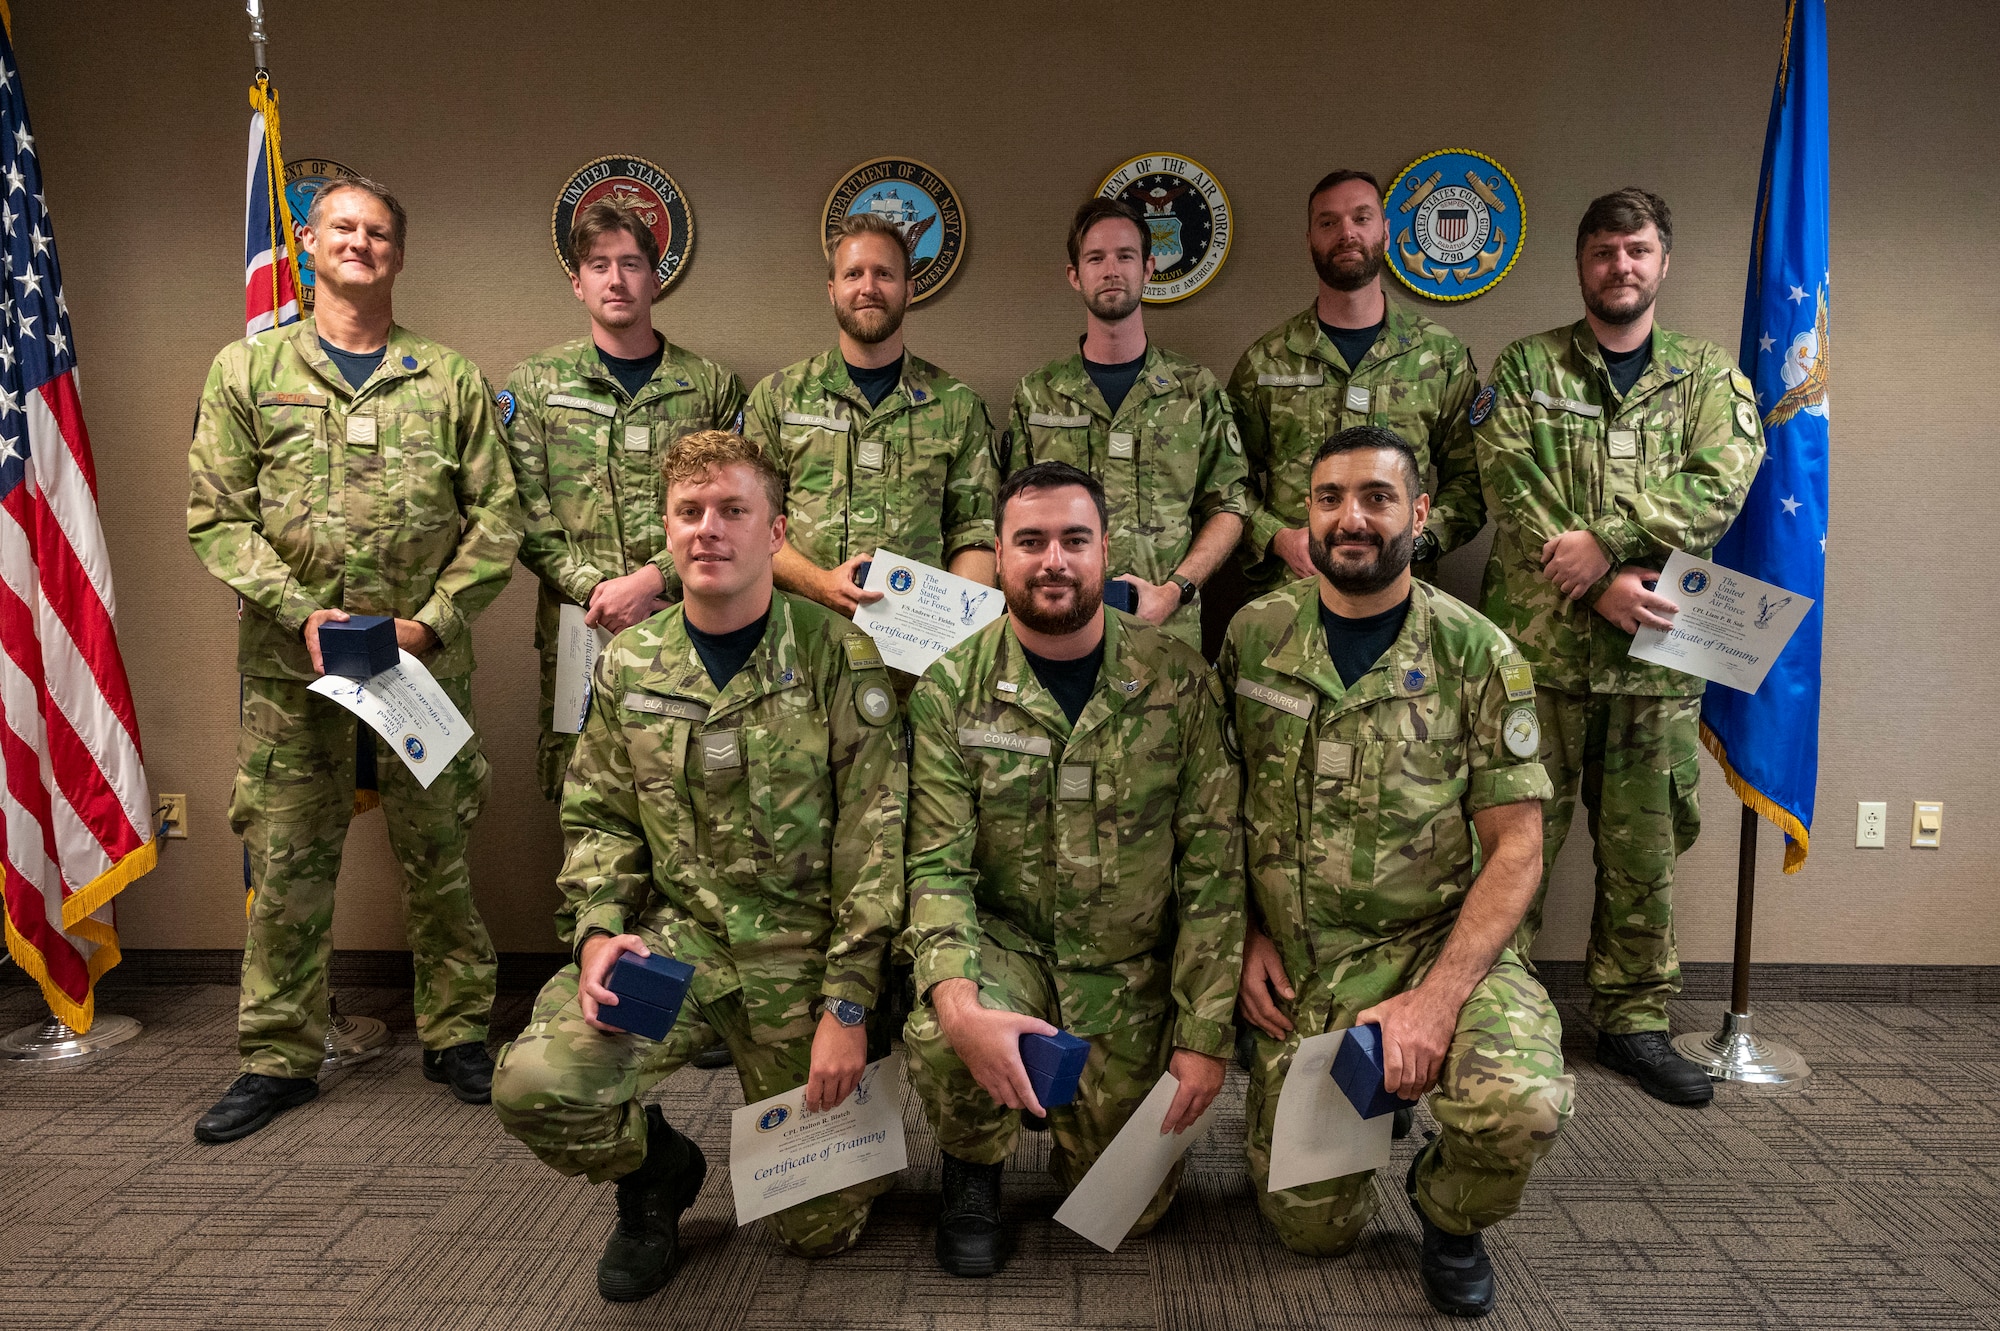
<point x="1768" y="742"/>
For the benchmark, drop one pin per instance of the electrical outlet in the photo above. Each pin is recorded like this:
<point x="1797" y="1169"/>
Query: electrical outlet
<point x="171" y="811"/>
<point x="1872" y="826"/>
<point x="1927" y="823"/>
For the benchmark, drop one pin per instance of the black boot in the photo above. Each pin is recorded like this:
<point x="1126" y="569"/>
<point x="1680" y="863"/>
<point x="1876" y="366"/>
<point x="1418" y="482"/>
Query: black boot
<point x="251" y="1102"/>
<point x="970" y="1241"/>
<point x="644" y="1249"/>
<point x="1405" y="1122"/>
<point x="1457" y="1277"/>
<point x="715" y="1056"/>
<point x="1663" y="1074"/>
<point x="466" y="1068"/>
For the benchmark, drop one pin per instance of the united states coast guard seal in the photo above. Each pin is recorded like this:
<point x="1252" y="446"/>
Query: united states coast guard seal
<point x="922" y="204"/>
<point x="638" y="181"/>
<point x="305" y="177"/>
<point x="1455" y="221"/>
<point x="1188" y="215"/>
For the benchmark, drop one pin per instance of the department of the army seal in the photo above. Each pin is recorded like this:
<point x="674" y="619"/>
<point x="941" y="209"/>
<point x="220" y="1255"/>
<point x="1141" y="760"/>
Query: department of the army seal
<point x="659" y="199"/>
<point x="921" y="203"/>
<point x="1456" y="221"/>
<point x="304" y="179"/>
<point x="1188" y="214"/>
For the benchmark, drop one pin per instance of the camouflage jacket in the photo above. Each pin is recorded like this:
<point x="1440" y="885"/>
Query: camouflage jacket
<point x="1292" y="392"/>
<point x="755" y="833"/>
<point x="1357" y="802"/>
<point x="1170" y="459"/>
<point x="913" y="473"/>
<point x="1666" y="467"/>
<point x="1109" y="850"/>
<point x="587" y="459"/>
<point x="305" y="494"/>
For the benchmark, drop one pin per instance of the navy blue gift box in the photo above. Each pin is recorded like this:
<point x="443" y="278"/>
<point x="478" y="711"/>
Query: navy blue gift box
<point x="650" y="991"/>
<point x="1357" y="1069"/>
<point x="358" y="647"/>
<point x="1121" y="596"/>
<point x="1054" y="1064"/>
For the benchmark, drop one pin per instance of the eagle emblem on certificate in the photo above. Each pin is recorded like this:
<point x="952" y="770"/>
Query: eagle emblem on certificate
<point x="1455" y="224"/>
<point x="1187" y="214"/>
<point x="922" y="204"/>
<point x="659" y="200"/>
<point x="305" y="177"/>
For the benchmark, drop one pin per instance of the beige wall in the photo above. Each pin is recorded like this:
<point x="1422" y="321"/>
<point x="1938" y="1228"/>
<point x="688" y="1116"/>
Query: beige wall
<point x="475" y="113"/>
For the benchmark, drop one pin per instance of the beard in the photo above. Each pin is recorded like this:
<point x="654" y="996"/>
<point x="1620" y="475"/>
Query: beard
<point x="1392" y="557"/>
<point x="870" y="325"/>
<point x="1621" y="305"/>
<point x="1348" y="271"/>
<point x="1083" y="607"/>
<point x="1112" y="305"/>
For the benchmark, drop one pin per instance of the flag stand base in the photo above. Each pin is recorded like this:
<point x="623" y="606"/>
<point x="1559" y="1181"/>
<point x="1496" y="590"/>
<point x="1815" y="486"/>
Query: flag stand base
<point x="1735" y="1053"/>
<point x="351" y="1040"/>
<point x="53" y="1041"/>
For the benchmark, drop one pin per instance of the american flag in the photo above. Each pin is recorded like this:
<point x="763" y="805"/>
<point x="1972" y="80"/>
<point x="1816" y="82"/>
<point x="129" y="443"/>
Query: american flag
<point x="270" y="279"/>
<point x="75" y="823"/>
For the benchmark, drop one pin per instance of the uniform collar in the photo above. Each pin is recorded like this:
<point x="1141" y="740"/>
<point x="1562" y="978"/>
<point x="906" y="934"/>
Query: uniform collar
<point x="1122" y="677"/>
<point x="1401" y="330"/>
<point x="676" y="670"/>
<point x="1069" y="378"/>
<point x="917" y="387"/>
<point x="1669" y="363"/>
<point x="405" y="356"/>
<point x="669" y="376"/>
<point x="1406" y="670"/>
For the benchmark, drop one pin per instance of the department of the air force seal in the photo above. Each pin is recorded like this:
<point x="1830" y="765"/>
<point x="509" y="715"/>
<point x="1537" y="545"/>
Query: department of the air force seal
<point x="304" y="179"/>
<point x="773" y="1118"/>
<point x="1455" y="224"/>
<point x="1694" y="582"/>
<point x="921" y="203"/>
<point x="1188" y="215"/>
<point x="901" y="580"/>
<point x="414" y="747"/>
<point x="638" y="181"/>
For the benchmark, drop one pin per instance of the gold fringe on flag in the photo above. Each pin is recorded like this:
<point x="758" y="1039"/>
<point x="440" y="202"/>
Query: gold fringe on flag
<point x="1760" y="803"/>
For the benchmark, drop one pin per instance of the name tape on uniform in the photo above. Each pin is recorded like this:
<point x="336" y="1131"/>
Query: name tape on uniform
<point x="1058" y="422"/>
<point x="684" y="709"/>
<point x="833" y="423"/>
<point x="291" y="400"/>
<point x="1271" y="697"/>
<point x="1570" y="404"/>
<point x="971" y="738"/>
<point x="1312" y="379"/>
<point x="589" y="404"/>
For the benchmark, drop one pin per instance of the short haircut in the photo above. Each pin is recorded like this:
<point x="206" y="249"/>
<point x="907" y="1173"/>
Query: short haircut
<point x="1369" y="438"/>
<point x="865" y="224"/>
<point x="696" y="457"/>
<point x="1050" y="476"/>
<point x="1341" y="177"/>
<point x="601" y="218"/>
<point x="1623" y="212"/>
<point x="1095" y="210"/>
<point x="399" y="220"/>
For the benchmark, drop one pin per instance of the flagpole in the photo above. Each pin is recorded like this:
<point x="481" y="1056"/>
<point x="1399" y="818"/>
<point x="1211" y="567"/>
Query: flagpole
<point x="1735" y="1052"/>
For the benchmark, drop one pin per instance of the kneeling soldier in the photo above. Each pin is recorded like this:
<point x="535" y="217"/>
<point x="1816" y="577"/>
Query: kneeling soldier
<point x="1379" y="717"/>
<point x="736" y="801"/>
<point x="1074" y="861"/>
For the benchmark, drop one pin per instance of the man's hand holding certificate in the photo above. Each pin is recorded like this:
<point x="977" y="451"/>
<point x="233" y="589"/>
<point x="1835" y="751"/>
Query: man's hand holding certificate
<point x="1730" y="627"/>
<point x="924" y="612"/>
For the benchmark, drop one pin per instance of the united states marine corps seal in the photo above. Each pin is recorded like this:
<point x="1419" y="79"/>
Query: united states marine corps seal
<point x="1456" y="221"/>
<point x="1187" y="213"/>
<point x="304" y="179"/>
<point x="658" y="198"/>
<point x="922" y="204"/>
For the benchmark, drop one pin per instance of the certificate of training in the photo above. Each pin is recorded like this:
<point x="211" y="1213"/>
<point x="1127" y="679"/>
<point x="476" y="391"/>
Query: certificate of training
<point x="1113" y="1195"/>
<point x="924" y="612"/>
<point x="1730" y="626"/>
<point x="577" y="646"/>
<point x="780" y="1155"/>
<point x="1317" y="1134"/>
<point x="406" y="707"/>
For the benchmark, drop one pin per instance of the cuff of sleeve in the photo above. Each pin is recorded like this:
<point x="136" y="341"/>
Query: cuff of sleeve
<point x="1264" y="528"/>
<point x="852" y="991"/>
<point x="441" y="617"/>
<point x="606" y="920"/>
<point x="580" y="582"/>
<point x="1621" y="539"/>
<point x="971" y="536"/>
<point x="945" y="961"/>
<point x="1508" y="785"/>
<point x="295" y="607"/>
<point x="1214" y="1038"/>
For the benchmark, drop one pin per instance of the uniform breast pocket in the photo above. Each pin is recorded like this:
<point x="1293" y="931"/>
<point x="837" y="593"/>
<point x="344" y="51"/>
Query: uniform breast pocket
<point x="292" y="463"/>
<point x="1058" y="443"/>
<point x="1166" y="486"/>
<point x="1013" y="795"/>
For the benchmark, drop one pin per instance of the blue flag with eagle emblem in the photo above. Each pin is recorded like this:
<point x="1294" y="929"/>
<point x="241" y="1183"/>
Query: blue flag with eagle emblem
<point x="1768" y="741"/>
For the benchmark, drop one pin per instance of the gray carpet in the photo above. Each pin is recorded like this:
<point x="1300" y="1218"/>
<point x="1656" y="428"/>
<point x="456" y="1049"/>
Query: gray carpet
<point x="1868" y="1201"/>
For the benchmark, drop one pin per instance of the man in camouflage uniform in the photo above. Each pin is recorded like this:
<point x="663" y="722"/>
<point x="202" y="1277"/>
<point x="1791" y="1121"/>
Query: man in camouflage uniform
<point x="736" y="801"/>
<point x="1073" y="862"/>
<point x="323" y="481"/>
<point x="1604" y="446"/>
<point x="588" y="423"/>
<point x="1297" y="386"/>
<point x="877" y="447"/>
<point x="1382" y="726"/>
<point x="1166" y="451"/>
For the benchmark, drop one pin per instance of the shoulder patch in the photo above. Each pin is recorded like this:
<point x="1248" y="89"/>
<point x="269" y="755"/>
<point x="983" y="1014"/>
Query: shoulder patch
<point x="1746" y="417"/>
<point x="1521" y="732"/>
<point x="1482" y="405"/>
<point x="504" y="400"/>
<point x="874" y="703"/>
<point x="862" y="653"/>
<point x="1233" y="436"/>
<point x="1519" y="677"/>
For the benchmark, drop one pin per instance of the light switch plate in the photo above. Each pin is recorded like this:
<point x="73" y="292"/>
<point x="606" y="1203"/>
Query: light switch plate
<point x="1927" y="823"/>
<point x="1871" y="826"/>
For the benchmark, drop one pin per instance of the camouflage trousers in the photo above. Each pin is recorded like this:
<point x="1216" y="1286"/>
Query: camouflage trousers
<point x="1500" y="1101"/>
<point x="293" y="800"/>
<point x="1637" y="762"/>
<point x="975" y="1127"/>
<point x="571" y="1093"/>
<point x="552" y="754"/>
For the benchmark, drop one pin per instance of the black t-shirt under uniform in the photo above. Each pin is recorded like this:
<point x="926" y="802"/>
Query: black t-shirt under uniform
<point x="1357" y="644"/>
<point x="1070" y="683"/>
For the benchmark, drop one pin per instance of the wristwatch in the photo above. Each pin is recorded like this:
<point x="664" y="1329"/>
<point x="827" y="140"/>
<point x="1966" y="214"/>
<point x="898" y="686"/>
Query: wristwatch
<point x="846" y="1013"/>
<point x="1188" y="590"/>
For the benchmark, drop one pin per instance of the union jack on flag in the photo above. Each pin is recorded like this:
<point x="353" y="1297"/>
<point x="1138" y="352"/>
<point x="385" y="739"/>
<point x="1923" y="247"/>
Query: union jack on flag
<point x="270" y="265"/>
<point x="75" y="824"/>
